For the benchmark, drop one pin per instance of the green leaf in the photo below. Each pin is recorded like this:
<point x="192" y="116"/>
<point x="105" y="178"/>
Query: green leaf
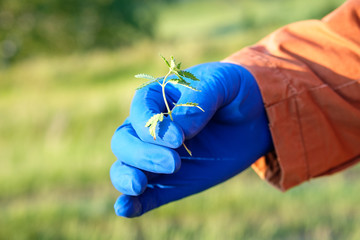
<point x="146" y="83"/>
<point x="152" y="123"/>
<point x="178" y="66"/>
<point x="182" y="82"/>
<point x="145" y="76"/>
<point x="166" y="61"/>
<point x="188" y="75"/>
<point x="148" y="77"/>
<point x="173" y="63"/>
<point x="178" y="81"/>
<point x="189" y="104"/>
<point x="178" y="75"/>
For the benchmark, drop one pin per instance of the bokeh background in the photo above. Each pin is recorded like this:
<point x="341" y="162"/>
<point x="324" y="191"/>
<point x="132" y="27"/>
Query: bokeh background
<point x="66" y="82"/>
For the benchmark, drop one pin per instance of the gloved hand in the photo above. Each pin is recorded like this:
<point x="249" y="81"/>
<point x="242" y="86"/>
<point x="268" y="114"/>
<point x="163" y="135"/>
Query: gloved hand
<point x="227" y="138"/>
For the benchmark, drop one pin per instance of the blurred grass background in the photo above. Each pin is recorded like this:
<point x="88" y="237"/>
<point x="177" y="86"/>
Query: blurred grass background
<point x="59" y="109"/>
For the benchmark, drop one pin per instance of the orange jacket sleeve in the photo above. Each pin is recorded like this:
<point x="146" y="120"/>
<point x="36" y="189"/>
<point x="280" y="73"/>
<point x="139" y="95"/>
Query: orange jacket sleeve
<point x="309" y="76"/>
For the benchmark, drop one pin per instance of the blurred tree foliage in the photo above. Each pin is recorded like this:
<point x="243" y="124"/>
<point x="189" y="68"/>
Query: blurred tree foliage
<point x="29" y="27"/>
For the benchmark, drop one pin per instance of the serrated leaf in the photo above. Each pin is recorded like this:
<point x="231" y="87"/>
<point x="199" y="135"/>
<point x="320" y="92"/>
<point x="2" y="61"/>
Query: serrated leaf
<point x="184" y="83"/>
<point x="189" y="104"/>
<point x="145" y="76"/>
<point x="188" y="75"/>
<point x="166" y="61"/>
<point x="146" y="83"/>
<point x="152" y="123"/>
<point x="179" y="76"/>
<point x="178" y="81"/>
<point x="178" y="66"/>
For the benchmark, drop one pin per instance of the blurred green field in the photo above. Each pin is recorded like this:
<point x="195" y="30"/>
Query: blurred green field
<point x="58" y="113"/>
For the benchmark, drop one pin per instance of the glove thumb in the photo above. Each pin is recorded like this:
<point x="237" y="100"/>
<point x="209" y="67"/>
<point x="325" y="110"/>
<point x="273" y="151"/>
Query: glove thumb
<point x="218" y="85"/>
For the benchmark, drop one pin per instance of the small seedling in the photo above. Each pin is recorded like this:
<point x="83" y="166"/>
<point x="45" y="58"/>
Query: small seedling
<point x="179" y="78"/>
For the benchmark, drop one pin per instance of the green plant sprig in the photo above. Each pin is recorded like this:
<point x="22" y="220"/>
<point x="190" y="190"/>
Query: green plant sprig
<point x="180" y="75"/>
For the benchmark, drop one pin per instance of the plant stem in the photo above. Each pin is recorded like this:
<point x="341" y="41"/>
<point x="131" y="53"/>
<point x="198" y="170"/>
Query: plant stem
<point x="188" y="150"/>
<point x="167" y="105"/>
<point x="164" y="96"/>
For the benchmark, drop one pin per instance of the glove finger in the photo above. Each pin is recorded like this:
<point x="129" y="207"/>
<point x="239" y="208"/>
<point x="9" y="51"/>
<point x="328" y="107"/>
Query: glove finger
<point x="146" y="103"/>
<point x="164" y="189"/>
<point x="128" y="180"/>
<point x="129" y="149"/>
<point x="134" y="206"/>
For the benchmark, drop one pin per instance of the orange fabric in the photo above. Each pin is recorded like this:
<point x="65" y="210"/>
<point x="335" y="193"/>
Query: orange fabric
<point x="309" y="76"/>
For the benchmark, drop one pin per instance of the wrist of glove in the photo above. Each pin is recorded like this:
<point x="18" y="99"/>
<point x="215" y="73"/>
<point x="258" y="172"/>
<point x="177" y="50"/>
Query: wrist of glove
<point x="227" y="138"/>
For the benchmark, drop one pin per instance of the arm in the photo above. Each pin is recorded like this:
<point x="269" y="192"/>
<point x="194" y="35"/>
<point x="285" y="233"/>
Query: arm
<point x="309" y="73"/>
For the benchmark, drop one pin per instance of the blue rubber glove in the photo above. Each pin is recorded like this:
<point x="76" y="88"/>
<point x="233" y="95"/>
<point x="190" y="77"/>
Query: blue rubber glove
<point x="227" y="138"/>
